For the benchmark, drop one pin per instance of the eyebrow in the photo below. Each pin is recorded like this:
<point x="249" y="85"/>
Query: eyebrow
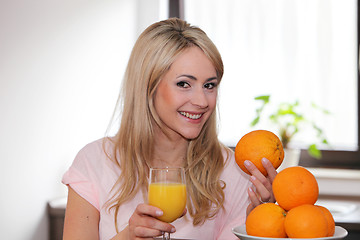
<point x="194" y="78"/>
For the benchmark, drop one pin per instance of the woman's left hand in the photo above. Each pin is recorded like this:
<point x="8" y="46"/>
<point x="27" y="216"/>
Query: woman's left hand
<point x="263" y="185"/>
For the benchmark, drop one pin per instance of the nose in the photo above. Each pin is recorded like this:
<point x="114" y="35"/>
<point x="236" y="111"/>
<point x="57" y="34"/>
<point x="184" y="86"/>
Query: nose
<point x="199" y="99"/>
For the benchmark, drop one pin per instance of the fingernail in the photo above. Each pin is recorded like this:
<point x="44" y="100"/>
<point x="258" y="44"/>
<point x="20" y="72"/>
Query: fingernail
<point x="253" y="178"/>
<point x="173" y="230"/>
<point x="247" y="163"/>
<point x="159" y="213"/>
<point x="264" y="160"/>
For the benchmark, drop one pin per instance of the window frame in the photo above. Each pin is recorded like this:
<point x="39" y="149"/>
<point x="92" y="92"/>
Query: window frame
<point x="176" y="8"/>
<point x="339" y="159"/>
<point x="330" y="158"/>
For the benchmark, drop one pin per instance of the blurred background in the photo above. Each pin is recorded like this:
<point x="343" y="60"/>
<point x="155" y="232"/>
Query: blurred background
<point x="62" y="62"/>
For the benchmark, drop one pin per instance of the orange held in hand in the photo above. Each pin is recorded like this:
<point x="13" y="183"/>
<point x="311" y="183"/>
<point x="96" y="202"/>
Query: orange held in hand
<point x="306" y="221"/>
<point x="266" y="220"/>
<point x="257" y="145"/>
<point x="295" y="186"/>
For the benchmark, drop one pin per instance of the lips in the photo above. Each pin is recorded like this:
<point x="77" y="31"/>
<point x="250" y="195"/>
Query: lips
<point x="191" y="116"/>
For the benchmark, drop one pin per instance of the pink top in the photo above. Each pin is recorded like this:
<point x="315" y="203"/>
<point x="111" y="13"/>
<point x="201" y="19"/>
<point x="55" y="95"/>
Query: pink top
<point x="92" y="175"/>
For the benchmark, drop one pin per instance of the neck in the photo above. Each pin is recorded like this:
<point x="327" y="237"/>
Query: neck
<point x="169" y="152"/>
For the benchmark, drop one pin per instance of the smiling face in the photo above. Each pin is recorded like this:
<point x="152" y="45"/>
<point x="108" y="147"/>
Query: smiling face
<point x="186" y="95"/>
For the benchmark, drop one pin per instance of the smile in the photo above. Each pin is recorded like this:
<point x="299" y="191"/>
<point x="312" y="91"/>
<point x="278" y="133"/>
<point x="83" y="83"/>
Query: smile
<point x="191" y="116"/>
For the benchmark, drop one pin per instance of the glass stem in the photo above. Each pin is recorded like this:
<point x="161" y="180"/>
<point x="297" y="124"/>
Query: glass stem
<point x="166" y="236"/>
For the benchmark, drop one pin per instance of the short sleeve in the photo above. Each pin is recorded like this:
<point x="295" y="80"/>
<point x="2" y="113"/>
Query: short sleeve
<point x="82" y="178"/>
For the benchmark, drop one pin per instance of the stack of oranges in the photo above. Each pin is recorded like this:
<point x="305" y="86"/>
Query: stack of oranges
<point x="295" y="215"/>
<point x="296" y="191"/>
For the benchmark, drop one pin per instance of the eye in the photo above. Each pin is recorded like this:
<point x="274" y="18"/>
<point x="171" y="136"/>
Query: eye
<point x="183" y="84"/>
<point x="210" y="85"/>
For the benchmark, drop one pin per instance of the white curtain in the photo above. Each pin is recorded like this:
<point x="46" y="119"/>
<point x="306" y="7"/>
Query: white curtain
<point x="302" y="50"/>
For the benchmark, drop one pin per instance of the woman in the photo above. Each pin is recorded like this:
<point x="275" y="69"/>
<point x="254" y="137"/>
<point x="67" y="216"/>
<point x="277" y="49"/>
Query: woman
<point x="168" y="118"/>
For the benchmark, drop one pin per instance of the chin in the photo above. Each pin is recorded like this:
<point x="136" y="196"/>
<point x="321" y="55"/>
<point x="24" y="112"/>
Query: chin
<point x="191" y="136"/>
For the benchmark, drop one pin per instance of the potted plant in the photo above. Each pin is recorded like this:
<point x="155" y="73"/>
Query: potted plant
<point x="288" y="120"/>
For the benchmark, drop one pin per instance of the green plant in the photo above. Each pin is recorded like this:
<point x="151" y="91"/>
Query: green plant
<point x="288" y="120"/>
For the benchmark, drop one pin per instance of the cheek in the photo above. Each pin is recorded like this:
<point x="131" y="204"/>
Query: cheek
<point x="164" y="98"/>
<point x="212" y="99"/>
<point x="166" y="95"/>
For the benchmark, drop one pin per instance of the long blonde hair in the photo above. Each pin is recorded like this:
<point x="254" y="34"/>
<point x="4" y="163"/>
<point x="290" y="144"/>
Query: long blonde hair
<point x="153" y="53"/>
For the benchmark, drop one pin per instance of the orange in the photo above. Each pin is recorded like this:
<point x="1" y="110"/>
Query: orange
<point x="295" y="186"/>
<point x="257" y="145"/>
<point x="306" y="221"/>
<point x="330" y="220"/>
<point x="266" y="220"/>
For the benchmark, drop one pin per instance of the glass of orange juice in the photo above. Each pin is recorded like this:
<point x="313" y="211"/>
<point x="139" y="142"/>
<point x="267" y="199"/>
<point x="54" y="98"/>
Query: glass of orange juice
<point x="167" y="191"/>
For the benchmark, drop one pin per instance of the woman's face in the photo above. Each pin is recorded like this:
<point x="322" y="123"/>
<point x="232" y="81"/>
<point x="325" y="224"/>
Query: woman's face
<point x="186" y="95"/>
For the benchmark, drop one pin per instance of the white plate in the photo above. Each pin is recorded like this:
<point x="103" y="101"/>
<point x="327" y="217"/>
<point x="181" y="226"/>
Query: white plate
<point x="240" y="232"/>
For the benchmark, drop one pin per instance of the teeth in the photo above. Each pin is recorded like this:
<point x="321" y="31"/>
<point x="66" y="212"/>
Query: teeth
<point x="191" y="116"/>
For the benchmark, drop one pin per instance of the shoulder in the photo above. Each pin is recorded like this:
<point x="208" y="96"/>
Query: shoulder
<point x="94" y="156"/>
<point x="92" y="174"/>
<point x="96" y="147"/>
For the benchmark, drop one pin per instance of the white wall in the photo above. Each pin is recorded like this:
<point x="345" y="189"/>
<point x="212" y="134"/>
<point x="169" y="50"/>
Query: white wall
<point x="61" y="63"/>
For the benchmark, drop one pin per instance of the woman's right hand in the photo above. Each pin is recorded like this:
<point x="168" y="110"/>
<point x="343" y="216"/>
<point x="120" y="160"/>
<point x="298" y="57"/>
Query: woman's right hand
<point x="143" y="224"/>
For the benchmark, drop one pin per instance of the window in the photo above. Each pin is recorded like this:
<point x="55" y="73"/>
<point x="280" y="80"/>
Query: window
<point x="304" y="50"/>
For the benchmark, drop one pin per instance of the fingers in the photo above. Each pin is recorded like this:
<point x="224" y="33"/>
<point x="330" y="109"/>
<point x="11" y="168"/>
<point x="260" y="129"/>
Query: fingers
<point x="266" y="181"/>
<point x="184" y="213"/>
<point x="269" y="168"/>
<point x="263" y="185"/>
<point x="263" y="192"/>
<point x="145" y="209"/>
<point x="143" y="223"/>
<point x="253" y="197"/>
<point x="266" y="164"/>
<point x="249" y="208"/>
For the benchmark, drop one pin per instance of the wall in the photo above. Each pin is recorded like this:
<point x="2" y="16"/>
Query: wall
<point x="61" y="63"/>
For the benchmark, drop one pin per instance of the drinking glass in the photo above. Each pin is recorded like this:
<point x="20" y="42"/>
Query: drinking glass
<point x="167" y="191"/>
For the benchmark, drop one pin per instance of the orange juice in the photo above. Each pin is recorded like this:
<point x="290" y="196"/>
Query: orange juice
<point x="170" y="198"/>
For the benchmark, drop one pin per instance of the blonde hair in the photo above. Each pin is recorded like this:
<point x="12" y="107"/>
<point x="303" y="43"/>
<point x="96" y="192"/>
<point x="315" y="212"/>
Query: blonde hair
<point x="153" y="53"/>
